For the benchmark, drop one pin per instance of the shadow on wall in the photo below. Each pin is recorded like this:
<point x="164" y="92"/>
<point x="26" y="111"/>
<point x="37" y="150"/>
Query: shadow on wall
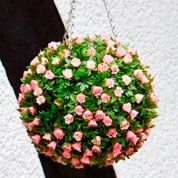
<point x="25" y="28"/>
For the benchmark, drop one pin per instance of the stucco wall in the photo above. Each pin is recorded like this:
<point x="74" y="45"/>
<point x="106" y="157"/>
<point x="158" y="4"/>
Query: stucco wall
<point x="150" y="26"/>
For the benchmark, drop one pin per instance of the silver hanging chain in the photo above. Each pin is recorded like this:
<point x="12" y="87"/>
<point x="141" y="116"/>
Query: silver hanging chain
<point x="69" y="24"/>
<point x="109" y="18"/>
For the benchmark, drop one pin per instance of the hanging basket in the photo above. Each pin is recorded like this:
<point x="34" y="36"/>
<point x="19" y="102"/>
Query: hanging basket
<point x="87" y="101"/>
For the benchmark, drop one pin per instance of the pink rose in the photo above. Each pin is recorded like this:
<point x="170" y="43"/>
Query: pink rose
<point x="40" y="99"/>
<point x="126" y="107"/>
<point x="102" y="67"/>
<point x="107" y="121"/>
<point x="66" y="154"/>
<point x="114" y="69"/>
<point x="33" y="84"/>
<point x="97" y="140"/>
<point x="77" y="146"/>
<point x="85" y="160"/>
<point x="41" y="53"/>
<point x="25" y="88"/>
<point x="96" y="149"/>
<point x="78" y="136"/>
<point x="122" y="156"/>
<point x="52" y="145"/>
<point x="139" y="145"/>
<point x="38" y="91"/>
<point x="58" y="133"/>
<point x="109" y="82"/>
<point x="90" y="64"/>
<point x="69" y="118"/>
<point x="92" y="123"/>
<point x="154" y="98"/>
<point x="40" y="69"/>
<point x="132" y="137"/>
<point x="92" y="38"/>
<point x="25" y="73"/>
<point x="147" y="132"/>
<point x="127" y="58"/>
<point x="139" y="130"/>
<point x="66" y="53"/>
<point x="79" y="40"/>
<point x="153" y="86"/>
<point x="118" y="92"/>
<point x="55" y="60"/>
<point x="112" y="133"/>
<point x="126" y="79"/>
<point x="67" y="146"/>
<point x="91" y="51"/>
<point x="47" y="136"/>
<point x="88" y="153"/>
<point x="53" y="45"/>
<point x="133" y="114"/>
<point x="44" y="61"/>
<point x="120" y="51"/>
<point x="36" y="121"/>
<point x="124" y="125"/>
<point x="75" y="62"/>
<point x="129" y="151"/>
<point x="88" y="115"/>
<point x="59" y="159"/>
<point x="132" y="52"/>
<point x="108" y="59"/>
<point x="49" y="75"/>
<point x="34" y="61"/>
<point x="143" y="137"/>
<point x="30" y="126"/>
<point x="20" y="98"/>
<point x="75" y="161"/>
<point x="32" y="110"/>
<point x="144" y="80"/>
<point x="110" y="45"/>
<point x="67" y="73"/>
<point x="80" y="98"/>
<point x="104" y="36"/>
<point x="36" y="139"/>
<point x="138" y="98"/>
<point x="105" y="98"/>
<point x="116" y="149"/>
<point x="99" y="115"/>
<point x="138" y="73"/>
<point x="79" y="110"/>
<point x="48" y="153"/>
<point x="97" y="91"/>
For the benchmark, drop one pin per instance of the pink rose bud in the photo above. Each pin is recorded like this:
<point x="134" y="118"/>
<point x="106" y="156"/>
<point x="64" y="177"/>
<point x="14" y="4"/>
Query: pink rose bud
<point x="109" y="163"/>
<point x="97" y="140"/>
<point x="34" y="61"/>
<point x="41" y="53"/>
<point x="96" y="149"/>
<point x="144" y="80"/>
<point x="110" y="45"/>
<point x="99" y="115"/>
<point x="129" y="151"/>
<point x="143" y="137"/>
<point x="126" y="79"/>
<point x="118" y="92"/>
<point x="97" y="91"/>
<point x="127" y="58"/>
<point x="139" y="145"/>
<point x="138" y="73"/>
<point x="85" y="160"/>
<point x="105" y="98"/>
<point x="69" y="118"/>
<point x="25" y="88"/>
<point x="75" y="161"/>
<point x="37" y="91"/>
<point x="147" y="132"/>
<point x="112" y="133"/>
<point x="79" y="40"/>
<point x="59" y="159"/>
<point x="124" y="125"/>
<point x="132" y="137"/>
<point x="25" y="73"/>
<point x="122" y="156"/>
<point x="132" y="52"/>
<point x="49" y="75"/>
<point x="139" y="130"/>
<point x="47" y="136"/>
<point x="30" y="126"/>
<point x="67" y="73"/>
<point x="114" y="69"/>
<point x="52" y="145"/>
<point x="79" y="110"/>
<point x="153" y="86"/>
<point x="48" y="153"/>
<point x="66" y="154"/>
<point x="80" y="98"/>
<point x="109" y="82"/>
<point x="32" y="110"/>
<point x="58" y="133"/>
<point x="88" y="115"/>
<point x="104" y="36"/>
<point x="55" y="60"/>
<point x="67" y="146"/>
<point x="138" y="98"/>
<point x="53" y="46"/>
<point x="90" y="64"/>
<point x="40" y="69"/>
<point x="154" y="98"/>
<point x="102" y="67"/>
<point x="133" y="114"/>
<point x="92" y="38"/>
<point x="33" y="84"/>
<point x="92" y="123"/>
<point x="44" y="61"/>
<point x="75" y="62"/>
<point x="126" y="107"/>
<point x="78" y="136"/>
<point x="36" y="139"/>
<point x="20" y="98"/>
<point x="107" y="121"/>
<point x="116" y="149"/>
<point x="108" y="59"/>
<point x="36" y="121"/>
<point x="40" y="99"/>
<point x="91" y="51"/>
<point x="77" y="146"/>
<point x="88" y="153"/>
<point x="120" y="52"/>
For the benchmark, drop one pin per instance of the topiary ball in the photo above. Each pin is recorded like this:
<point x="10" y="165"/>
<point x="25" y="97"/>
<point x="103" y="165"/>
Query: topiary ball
<point x="87" y="101"/>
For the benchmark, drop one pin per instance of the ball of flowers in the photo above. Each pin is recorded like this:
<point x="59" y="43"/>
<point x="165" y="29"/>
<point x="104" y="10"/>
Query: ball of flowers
<point x="87" y="101"/>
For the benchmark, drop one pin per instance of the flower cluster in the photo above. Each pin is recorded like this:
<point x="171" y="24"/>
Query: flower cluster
<point x="90" y="104"/>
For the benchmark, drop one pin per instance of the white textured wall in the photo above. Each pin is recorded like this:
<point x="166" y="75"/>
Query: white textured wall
<point x="151" y="27"/>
